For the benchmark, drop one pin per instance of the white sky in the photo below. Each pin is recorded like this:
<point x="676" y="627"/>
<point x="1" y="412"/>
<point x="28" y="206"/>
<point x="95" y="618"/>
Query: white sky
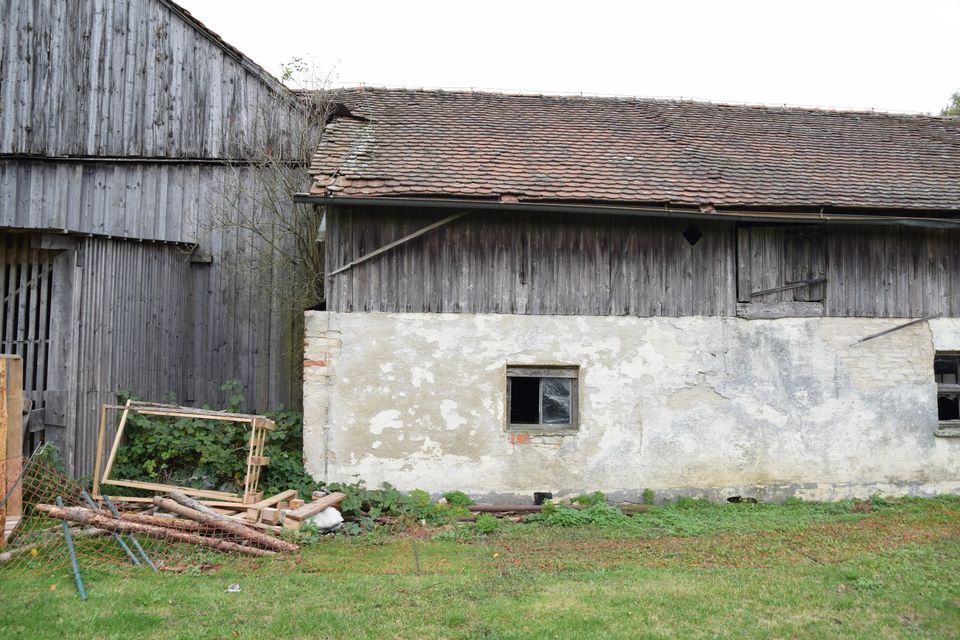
<point x="892" y="56"/>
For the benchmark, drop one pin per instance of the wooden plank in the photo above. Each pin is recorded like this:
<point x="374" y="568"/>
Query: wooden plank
<point x="788" y="287"/>
<point x="774" y="310"/>
<point x="396" y="243"/>
<point x="184" y="414"/>
<point x="116" y="443"/>
<point x="11" y="414"/>
<point x="293" y="519"/>
<point x="253" y="510"/>
<point x="898" y="327"/>
<point x="167" y="488"/>
<point x="101" y="437"/>
<point x="7" y="463"/>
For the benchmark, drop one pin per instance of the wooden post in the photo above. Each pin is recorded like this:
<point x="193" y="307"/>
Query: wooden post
<point x="101" y="434"/>
<point x="116" y="442"/>
<point x="11" y="440"/>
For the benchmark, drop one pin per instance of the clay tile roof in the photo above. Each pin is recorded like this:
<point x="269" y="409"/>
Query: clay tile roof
<point x="416" y="143"/>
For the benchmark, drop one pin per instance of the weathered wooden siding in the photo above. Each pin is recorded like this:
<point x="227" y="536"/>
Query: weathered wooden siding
<point x="539" y="263"/>
<point x="149" y="201"/>
<point x="128" y="121"/>
<point x="900" y="272"/>
<point x="144" y="317"/>
<point x="126" y="78"/>
<point x="531" y="263"/>
<point x="26" y="284"/>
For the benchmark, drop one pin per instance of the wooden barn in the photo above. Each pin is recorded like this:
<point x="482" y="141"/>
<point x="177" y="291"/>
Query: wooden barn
<point x="120" y="123"/>
<point x="567" y="294"/>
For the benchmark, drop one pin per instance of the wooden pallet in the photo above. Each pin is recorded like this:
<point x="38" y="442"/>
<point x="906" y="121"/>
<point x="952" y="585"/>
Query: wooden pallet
<point x="259" y="428"/>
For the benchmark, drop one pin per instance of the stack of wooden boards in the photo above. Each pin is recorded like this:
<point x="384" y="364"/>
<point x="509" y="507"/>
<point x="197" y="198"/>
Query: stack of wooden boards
<point x="251" y="507"/>
<point x="177" y="518"/>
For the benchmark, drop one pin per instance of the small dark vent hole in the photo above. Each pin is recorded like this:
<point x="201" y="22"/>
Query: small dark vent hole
<point x="741" y="500"/>
<point x="539" y="497"/>
<point x="693" y="234"/>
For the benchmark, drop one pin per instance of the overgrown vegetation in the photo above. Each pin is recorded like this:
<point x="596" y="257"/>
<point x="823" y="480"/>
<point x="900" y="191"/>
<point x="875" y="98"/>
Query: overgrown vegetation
<point x="366" y="505"/>
<point x="206" y="454"/>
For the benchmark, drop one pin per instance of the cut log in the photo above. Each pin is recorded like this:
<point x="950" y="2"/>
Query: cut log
<point x="227" y="525"/>
<point x="293" y="519"/>
<point x="159" y="521"/>
<point x="630" y="508"/>
<point x="190" y="503"/>
<point x="87" y="517"/>
<point x="510" y="508"/>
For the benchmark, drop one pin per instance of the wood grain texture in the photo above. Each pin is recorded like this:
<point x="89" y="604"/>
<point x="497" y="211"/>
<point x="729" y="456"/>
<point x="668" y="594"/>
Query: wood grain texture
<point x="530" y="263"/>
<point x="128" y="78"/>
<point x="539" y="263"/>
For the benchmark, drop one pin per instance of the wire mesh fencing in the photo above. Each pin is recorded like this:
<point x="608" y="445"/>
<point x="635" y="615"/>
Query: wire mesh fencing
<point x="50" y="520"/>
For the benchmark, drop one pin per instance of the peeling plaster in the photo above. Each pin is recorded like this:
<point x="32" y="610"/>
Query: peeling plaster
<point x="691" y="405"/>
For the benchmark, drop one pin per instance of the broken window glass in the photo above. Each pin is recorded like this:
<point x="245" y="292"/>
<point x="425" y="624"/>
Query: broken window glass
<point x="946" y="372"/>
<point x="556" y="400"/>
<point x="542" y="396"/>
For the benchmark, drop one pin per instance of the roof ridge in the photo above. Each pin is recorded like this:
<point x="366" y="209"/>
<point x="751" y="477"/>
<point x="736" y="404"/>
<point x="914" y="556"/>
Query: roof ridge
<point x="467" y="91"/>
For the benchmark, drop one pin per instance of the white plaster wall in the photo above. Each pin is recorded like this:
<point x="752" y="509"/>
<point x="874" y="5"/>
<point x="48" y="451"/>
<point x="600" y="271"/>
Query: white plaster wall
<point x="696" y="406"/>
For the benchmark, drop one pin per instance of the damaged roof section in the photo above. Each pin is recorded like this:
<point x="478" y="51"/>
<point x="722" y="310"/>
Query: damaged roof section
<point x="408" y="143"/>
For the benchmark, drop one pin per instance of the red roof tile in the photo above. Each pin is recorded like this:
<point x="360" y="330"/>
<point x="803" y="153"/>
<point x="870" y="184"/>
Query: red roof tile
<point x="619" y="150"/>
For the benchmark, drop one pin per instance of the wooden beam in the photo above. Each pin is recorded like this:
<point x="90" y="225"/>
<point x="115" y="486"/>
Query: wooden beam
<point x="186" y="414"/>
<point x="293" y="519"/>
<point x="5" y="460"/>
<point x="787" y="287"/>
<point x="98" y="458"/>
<point x="11" y="438"/>
<point x="396" y="243"/>
<point x="167" y="488"/>
<point x="253" y="510"/>
<point x="116" y="443"/>
<point x="898" y="327"/>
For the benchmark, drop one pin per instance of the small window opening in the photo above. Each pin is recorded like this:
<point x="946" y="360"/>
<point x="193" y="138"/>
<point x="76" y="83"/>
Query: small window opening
<point x="543" y="398"/>
<point x="693" y="234"/>
<point x="946" y="371"/>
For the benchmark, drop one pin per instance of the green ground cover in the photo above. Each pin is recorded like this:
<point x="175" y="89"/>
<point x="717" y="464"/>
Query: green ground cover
<point x="871" y="570"/>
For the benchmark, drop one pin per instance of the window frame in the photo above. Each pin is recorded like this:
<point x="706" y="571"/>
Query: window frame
<point x="571" y="372"/>
<point x="947" y="428"/>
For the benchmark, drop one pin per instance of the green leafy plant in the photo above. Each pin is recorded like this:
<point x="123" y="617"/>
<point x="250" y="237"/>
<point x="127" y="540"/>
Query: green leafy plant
<point x="590" y="499"/>
<point x="648" y="497"/>
<point x="487" y="523"/>
<point x="365" y="505"/>
<point x="458" y="499"/>
<point x="206" y="454"/>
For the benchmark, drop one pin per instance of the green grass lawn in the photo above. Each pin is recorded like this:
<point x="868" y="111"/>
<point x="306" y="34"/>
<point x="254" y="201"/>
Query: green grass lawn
<point x="730" y="571"/>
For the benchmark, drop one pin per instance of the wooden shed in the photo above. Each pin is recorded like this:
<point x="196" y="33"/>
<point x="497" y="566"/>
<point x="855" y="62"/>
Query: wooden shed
<point x="535" y="293"/>
<point x="120" y="121"/>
